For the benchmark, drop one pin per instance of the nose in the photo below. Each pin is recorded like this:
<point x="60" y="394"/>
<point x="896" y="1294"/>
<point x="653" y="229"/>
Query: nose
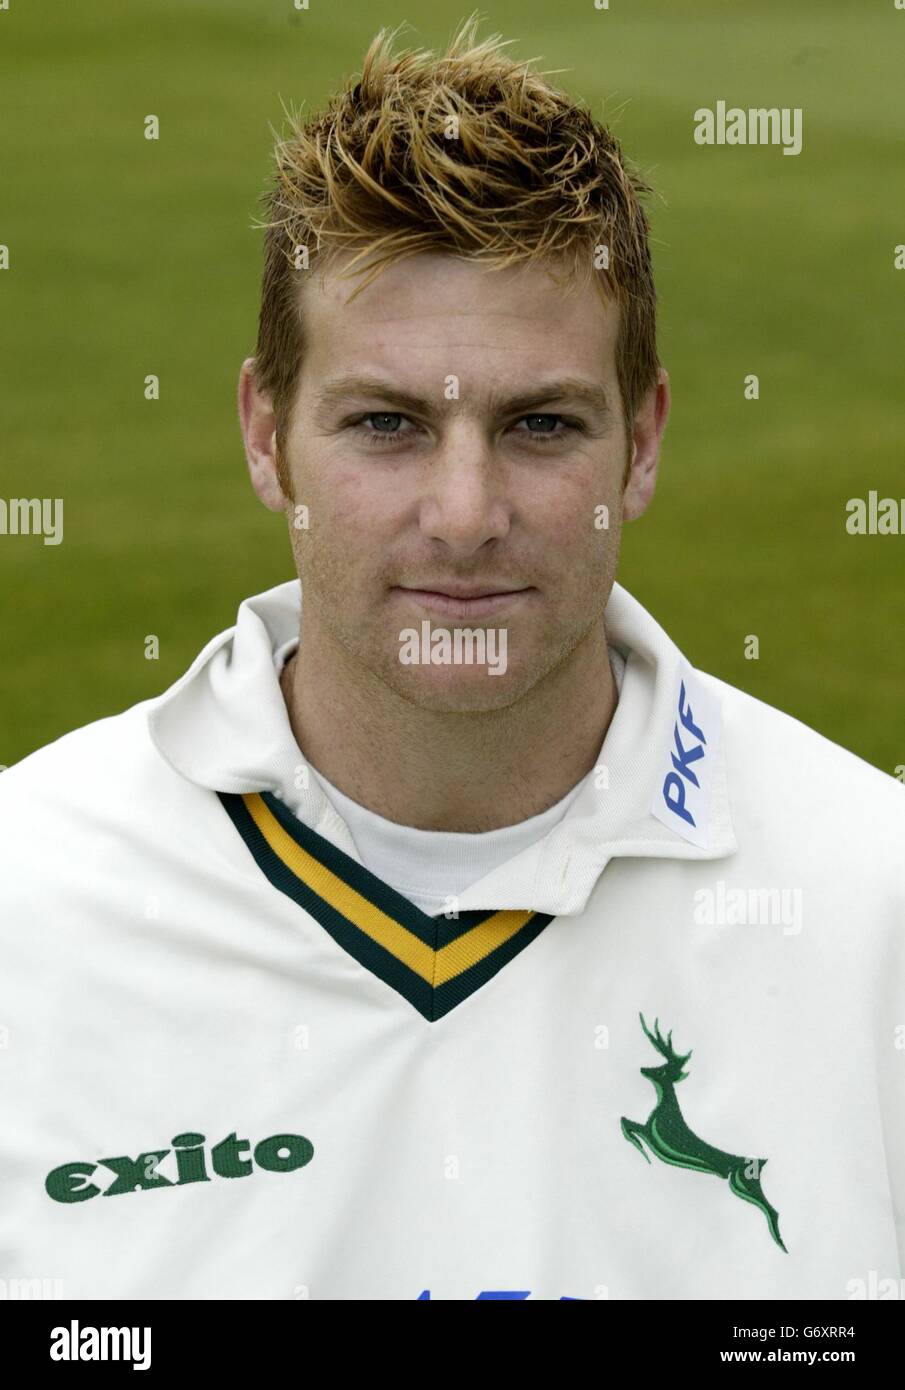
<point x="465" y="502"/>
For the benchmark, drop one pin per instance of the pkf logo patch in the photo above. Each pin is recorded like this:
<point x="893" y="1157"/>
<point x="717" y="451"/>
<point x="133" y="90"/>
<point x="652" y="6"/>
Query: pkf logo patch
<point x="682" y="795"/>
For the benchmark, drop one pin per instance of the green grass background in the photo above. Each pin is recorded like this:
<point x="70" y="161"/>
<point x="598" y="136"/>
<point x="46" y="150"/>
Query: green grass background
<point x="130" y="257"/>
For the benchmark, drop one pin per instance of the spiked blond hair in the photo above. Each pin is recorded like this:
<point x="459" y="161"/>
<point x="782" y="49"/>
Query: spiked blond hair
<point x="469" y="153"/>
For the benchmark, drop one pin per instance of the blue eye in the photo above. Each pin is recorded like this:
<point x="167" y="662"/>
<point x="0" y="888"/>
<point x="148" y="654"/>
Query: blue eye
<point x="380" y="419"/>
<point x="381" y="426"/>
<point x="534" y="418"/>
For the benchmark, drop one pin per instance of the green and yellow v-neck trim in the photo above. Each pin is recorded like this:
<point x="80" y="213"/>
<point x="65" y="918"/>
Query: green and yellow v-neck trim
<point x="433" y="962"/>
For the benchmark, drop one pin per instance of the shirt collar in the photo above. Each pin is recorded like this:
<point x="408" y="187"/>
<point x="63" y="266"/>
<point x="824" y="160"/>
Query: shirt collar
<point x="657" y="790"/>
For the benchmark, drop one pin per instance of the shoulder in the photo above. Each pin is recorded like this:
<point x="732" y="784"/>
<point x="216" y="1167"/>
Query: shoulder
<point x="92" y="749"/>
<point x="104" y="773"/>
<point x="793" y="770"/>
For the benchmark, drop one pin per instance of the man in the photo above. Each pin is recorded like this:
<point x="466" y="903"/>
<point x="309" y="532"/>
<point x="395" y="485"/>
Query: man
<point x="443" y="933"/>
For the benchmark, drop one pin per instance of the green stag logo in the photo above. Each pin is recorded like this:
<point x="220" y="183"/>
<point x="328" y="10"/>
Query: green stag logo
<point x="668" y="1136"/>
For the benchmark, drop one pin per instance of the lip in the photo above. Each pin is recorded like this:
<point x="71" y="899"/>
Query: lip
<point x="461" y="605"/>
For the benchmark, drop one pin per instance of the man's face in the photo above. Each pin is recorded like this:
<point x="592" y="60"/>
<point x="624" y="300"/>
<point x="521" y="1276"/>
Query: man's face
<point x="457" y="429"/>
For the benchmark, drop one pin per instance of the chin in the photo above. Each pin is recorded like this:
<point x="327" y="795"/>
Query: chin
<point x="458" y="690"/>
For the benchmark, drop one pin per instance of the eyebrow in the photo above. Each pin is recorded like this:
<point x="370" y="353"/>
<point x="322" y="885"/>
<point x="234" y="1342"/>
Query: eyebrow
<point x="563" y="389"/>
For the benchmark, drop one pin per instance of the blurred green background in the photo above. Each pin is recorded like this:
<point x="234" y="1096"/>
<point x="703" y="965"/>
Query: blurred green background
<point x="131" y="257"/>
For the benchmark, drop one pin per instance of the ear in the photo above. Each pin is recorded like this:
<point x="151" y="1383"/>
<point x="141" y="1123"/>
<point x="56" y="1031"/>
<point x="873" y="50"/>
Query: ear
<point x="650" y="422"/>
<point x="258" y="425"/>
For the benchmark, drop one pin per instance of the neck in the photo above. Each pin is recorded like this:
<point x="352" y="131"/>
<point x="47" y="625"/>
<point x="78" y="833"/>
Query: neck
<point x="435" y="770"/>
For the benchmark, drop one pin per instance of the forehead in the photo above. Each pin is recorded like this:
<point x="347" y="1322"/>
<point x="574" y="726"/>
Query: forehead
<point x="434" y="314"/>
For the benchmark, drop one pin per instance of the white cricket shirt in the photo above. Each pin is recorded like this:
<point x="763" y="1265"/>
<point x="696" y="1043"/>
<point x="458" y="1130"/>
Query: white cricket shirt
<point x="659" y="1053"/>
